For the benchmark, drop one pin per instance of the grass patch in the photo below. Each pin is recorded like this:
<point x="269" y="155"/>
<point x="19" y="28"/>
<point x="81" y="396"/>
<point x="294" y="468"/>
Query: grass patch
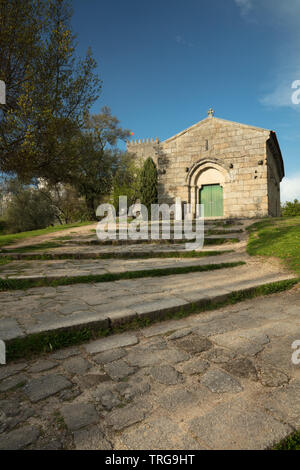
<point x="33" y="345"/>
<point x="16" y="284"/>
<point x="292" y="442"/>
<point x="4" y="261"/>
<point x="129" y="255"/>
<point x="169" y="241"/>
<point x="14" y="237"/>
<point x="223" y="232"/>
<point x="279" y="237"/>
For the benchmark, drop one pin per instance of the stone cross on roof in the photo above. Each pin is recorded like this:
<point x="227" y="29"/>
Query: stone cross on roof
<point x="2" y="92"/>
<point x="211" y="112"/>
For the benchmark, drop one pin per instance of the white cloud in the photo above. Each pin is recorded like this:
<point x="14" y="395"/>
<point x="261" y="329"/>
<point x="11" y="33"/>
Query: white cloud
<point x="290" y="188"/>
<point x="245" y="6"/>
<point x="279" y="14"/>
<point x="282" y="94"/>
<point x="180" y="40"/>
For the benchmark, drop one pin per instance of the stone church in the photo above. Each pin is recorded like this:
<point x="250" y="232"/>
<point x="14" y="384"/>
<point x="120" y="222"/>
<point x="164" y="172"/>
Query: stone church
<point x="233" y="169"/>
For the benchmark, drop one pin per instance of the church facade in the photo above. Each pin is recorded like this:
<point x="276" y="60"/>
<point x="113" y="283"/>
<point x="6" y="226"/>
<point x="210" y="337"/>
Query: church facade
<point x="233" y="169"/>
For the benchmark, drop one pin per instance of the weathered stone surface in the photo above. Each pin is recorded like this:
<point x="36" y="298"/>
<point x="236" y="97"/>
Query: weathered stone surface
<point x="9" y="329"/>
<point x="219" y="355"/>
<point x="218" y="381"/>
<point x="65" y="353"/>
<point x="124" y="417"/>
<point x="76" y="365"/>
<point x="45" y="386"/>
<point x="133" y="389"/>
<point x="119" y="370"/>
<point x="163" y="328"/>
<point x="19" y="438"/>
<point x="269" y="376"/>
<point x="42" y="366"/>
<point x="166" y="374"/>
<point x="251" y="189"/>
<point x="13" y="382"/>
<point x="91" y="438"/>
<point x="279" y="353"/>
<point x="195" y="366"/>
<point x="79" y="415"/>
<point x="109" y="356"/>
<point x="284" y="403"/>
<point x="108" y="399"/>
<point x="148" y="357"/>
<point x="8" y="371"/>
<point x="180" y="334"/>
<point x="237" y="425"/>
<point x="193" y="344"/>
<point x="111" y="342"/>
<point x="158" y="434"/>
<point x="91" y="380"/>
<point x="241" y="367"/>
<point x="69" y="395"/>
<point x="178" y="398"/>
<point x="10" y="407"/>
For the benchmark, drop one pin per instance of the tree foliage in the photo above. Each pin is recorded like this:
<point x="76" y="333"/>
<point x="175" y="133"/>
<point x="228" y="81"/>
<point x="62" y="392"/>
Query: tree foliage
<point x="126" y="180"/>
<point x="48" y="89"/>
<point x="149" y="184"/>
<point x="98" y="158"/>
<point x="291" y="208"/>
<point x="27" y="208"/>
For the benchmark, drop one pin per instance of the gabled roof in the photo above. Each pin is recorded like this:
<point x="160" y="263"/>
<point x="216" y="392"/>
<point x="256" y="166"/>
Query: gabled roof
<point x="272" y="141"/>
<point x="214" y="119"/>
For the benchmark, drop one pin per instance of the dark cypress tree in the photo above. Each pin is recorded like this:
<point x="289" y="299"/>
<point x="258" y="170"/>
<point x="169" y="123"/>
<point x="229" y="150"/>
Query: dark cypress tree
<point x="149" y="184"/>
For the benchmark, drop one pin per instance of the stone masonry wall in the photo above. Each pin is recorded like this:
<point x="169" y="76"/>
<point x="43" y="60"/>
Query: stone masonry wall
<point x="251" y="187"/>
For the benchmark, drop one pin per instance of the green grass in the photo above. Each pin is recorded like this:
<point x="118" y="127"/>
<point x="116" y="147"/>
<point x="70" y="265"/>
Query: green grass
<point x="290" y="443"/>
<point x="4" y="261"/>
<point x="160" y="241"/>
<point x="128" y="255"/>
<point x="14" y="237"/>
<point x="223" y="232"/>
<point x="16" y="284"/>
<point x="35" y="344"/>
<point x="279" y="237"/>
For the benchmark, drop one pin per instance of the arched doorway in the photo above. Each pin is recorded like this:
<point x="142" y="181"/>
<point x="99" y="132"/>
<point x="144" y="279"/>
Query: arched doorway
<point x="211" y="196"/>
<point x="206" y="183"/>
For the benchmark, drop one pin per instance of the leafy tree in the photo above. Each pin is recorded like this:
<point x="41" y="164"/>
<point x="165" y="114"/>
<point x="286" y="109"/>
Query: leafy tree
<point x="98" y="158"/>
<point x="149" y="184"/>
<point x="27" y="209"/>
<point x="48" y="90"/>
<point x="69" y="207"/>
<point x="291" y="208"/>
<point x="126" y="180"/>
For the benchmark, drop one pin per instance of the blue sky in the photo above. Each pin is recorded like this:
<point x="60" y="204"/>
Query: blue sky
<point x="164" y="63"/>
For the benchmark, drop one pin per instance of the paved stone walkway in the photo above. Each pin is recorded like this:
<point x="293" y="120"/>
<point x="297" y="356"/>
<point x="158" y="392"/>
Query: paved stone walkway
<point x="59" y="268"/>
<point x="44" y="309"/>
<point x="217" y="380"/>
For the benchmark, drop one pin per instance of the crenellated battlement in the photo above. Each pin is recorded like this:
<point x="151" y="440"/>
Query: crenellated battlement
<point x="142" y="142"/>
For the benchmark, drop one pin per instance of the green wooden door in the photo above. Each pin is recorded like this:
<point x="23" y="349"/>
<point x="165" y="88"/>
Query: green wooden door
<point x="211" y="196"/>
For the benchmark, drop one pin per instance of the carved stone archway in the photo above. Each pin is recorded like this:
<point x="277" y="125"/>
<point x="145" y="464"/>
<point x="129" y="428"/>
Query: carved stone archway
<point x="204" y="172"/>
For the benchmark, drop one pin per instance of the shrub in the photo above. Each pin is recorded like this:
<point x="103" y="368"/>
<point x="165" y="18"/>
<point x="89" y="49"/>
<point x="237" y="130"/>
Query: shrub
<point x="27" y="209"/>
<point x="291" y="208"/>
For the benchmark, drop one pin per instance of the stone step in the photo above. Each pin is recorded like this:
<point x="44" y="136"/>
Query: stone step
<point x="56" y="269"/>
<point x="104" y="305"/>
<point x="171" y="240"/>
